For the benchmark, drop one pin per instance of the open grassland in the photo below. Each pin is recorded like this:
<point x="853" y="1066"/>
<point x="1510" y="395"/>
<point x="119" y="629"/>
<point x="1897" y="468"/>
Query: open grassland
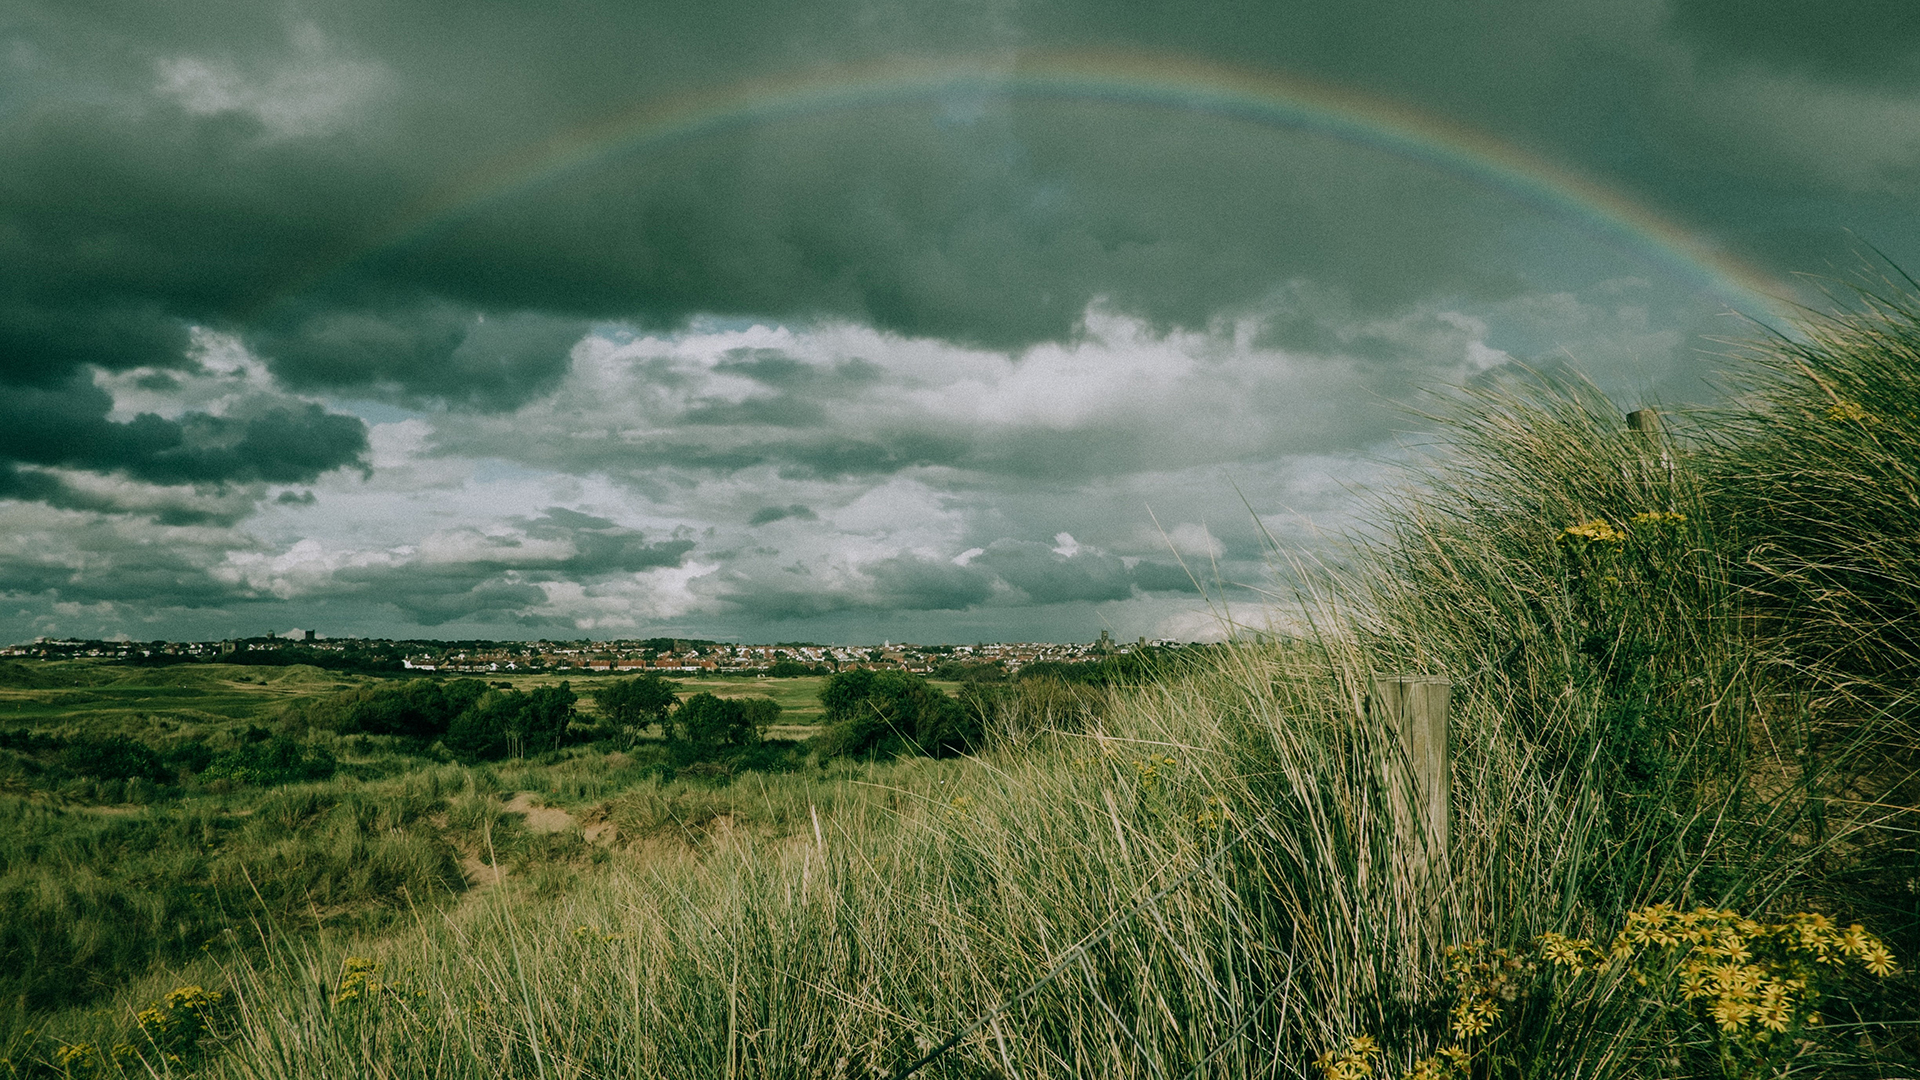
<point x="1682" y="725"/>
<point x="113" y="698"/>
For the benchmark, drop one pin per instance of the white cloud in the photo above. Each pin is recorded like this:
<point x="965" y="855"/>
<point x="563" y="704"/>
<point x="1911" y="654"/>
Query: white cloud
<point x="224" y="377"/>
<point x="1193" y="626"/>
<point x="317" y="91"/>
<point x="1196" y="540"/>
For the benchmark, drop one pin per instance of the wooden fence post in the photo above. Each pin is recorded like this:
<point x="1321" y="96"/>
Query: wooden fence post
<point x="1415" y="707"/>
<point x="1647" y="424"/>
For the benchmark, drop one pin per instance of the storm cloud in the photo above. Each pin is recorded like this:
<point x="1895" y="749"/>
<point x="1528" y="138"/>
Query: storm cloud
<point x="400" y="316"/>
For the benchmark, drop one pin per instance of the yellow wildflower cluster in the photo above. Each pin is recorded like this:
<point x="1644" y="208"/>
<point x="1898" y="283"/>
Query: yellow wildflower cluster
<point x="188" y="1007"/>
<point x="1212" y="813"/>
<point x="1749" y="980"/>
<point x="1353" y="1061"/>
<point x="1848" y="410"/>
<point x="175" y="1025"/>
<point x="1656" y="518"/>
<point x="358" y="980"/>
<point x="1449" y="1063"/>
<point x="1149" y="769"/>
<point x="1593" y="531"/>
<point x="1483" y="979"/>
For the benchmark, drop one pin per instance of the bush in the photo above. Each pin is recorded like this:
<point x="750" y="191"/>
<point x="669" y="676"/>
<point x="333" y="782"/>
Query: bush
<point x="886" y="713"/>
<point x="275" y="760"/>
<point x="113" y="757"/>
<point x="638" y="702"/>
<point x="705" y="726"/>
<point x="420" y="709"/>
<point x="508" y="723"/>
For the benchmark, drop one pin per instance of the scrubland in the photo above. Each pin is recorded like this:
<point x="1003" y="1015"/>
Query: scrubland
<point x="1683" y="836"/>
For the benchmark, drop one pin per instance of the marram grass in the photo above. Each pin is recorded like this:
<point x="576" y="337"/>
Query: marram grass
<point x="1202" y="877"/>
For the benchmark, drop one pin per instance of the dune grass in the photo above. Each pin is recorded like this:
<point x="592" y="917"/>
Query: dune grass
<point x="1679" y="679"/>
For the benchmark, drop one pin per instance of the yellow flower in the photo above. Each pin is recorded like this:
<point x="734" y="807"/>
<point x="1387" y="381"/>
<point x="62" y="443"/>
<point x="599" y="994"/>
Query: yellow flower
<point x="1774" y="1018"/>
<point x="1848" y="410"/>
<point x="1657" y="517"/>
<point x="1563" y="951"/>
<point x="1474" y="1017"/>
<point x="1594" y="530"/>
<point x="1693" y="983"/>
<point x="1879" y="960"/>
<point x="1731" y="1014"/>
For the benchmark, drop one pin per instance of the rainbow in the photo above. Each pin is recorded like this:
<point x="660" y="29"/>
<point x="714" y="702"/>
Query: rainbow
<point x="1122" y="79"/>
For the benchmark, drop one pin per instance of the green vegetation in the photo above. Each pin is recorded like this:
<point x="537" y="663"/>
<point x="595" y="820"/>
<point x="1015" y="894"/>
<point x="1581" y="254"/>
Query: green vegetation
<point x="1681" y="725"/>
<point x="885" y="713"/>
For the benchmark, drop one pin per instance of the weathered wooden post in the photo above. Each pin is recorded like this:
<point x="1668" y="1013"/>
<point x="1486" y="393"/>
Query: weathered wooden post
<point x="1415" y="707"/>
<point x="1647" y="424"/>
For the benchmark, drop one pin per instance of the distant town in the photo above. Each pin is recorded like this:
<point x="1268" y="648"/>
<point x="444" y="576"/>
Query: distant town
<point x="625" y="655"/>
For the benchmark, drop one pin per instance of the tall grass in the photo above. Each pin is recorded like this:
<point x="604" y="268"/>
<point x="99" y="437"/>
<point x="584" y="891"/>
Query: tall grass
<point x="1203" y="876"/>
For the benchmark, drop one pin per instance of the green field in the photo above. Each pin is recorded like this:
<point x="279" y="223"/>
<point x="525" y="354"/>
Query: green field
<point x="112" y="697"/>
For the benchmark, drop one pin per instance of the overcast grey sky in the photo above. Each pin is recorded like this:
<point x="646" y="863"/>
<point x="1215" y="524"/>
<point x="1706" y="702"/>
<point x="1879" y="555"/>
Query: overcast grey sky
<point x="847" y="320"/>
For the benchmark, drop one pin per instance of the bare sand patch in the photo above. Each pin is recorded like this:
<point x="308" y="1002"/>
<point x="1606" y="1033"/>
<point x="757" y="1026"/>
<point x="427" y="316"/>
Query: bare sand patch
<point x="539" y="818"/>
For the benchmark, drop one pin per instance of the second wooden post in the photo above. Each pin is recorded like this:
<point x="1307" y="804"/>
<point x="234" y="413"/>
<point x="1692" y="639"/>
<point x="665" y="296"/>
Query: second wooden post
<point x="1415" y="707"/>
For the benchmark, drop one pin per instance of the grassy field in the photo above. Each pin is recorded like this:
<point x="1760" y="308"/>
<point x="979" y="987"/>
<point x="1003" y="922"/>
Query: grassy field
<point x="111" y="697"/>
<point x="1682" y="832"/>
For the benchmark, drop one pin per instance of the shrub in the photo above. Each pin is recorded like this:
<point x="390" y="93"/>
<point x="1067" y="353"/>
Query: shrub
<point x="270" y="761"/>
<point x="113" y="757"/>
<point x="508" y="723"/>
<point x="886" y="713"/>
<point x="637" y="702"/>
<point x="420" y="709"/>
<point x="705" y="726"/>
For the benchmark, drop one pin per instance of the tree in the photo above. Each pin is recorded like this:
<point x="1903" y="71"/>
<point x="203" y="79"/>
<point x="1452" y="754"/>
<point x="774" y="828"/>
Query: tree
<point x="883" y="713"/>
<point x="508" y="723"/>
<point x="417" y="708"/>
<point x="637" y="702"/>
<point x="705" y="725"/>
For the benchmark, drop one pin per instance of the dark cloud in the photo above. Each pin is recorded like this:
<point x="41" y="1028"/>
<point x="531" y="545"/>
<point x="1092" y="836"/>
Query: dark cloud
<point x="774" y="368"/>
<point x="69" y="426"/>
<point x="778" y="412"/>
<point x="767" y="515"/>
<point x="1846" y="40"/>
<point x="600" y="546"/>
<point x="1049" y="577"/>
<point x="1150" y="576"/>
<point x="911" y="583"/>
<point x="99" y="560"/>
<point x="142" y="200"/>
<point x="1006" y="571"/>
<point x="436" y="595"/>
<point x="433" y="351"/>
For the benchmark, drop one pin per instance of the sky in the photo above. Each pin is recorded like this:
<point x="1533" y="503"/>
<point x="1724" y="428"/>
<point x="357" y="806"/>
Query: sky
<point x="843" y="321"/>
